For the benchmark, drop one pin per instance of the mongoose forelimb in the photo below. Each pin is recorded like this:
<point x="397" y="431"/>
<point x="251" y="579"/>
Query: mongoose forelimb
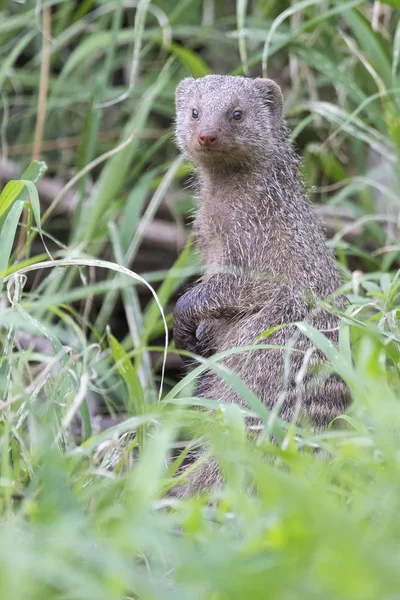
<point x="263" y="248"/>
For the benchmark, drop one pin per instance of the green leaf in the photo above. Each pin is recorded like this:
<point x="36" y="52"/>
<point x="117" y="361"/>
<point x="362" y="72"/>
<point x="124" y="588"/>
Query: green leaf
<point x="150" y="469"/>
<point x="20" y="189"/>
<point x="176" y="276"/>
<point x="392" y="119"/>
<point x="88" y="50"/>
<point x="370" y="43"/>
<point x="7" y="236"/>
<point x="113" y="175"/>
<point x="342" y="366"/>
<point x="396" y="50"/>
<point x="85" y="414"/>
<point x="7" y="62"/>
<point x="353" y="125"/>
<point x="330" y="165"/>
<point x="386" y="283"/>
<point x="133" y="208"/>
<point x="394" y="3"/>
<point x="270" y="331"/>
<point x="128" y="373"/>
<point x="356" y="425"/>
<point x="196" y="65"/>
<point x="274" y="426"/>
<point x="131" y="379"/>
<point x="82" y="9"/>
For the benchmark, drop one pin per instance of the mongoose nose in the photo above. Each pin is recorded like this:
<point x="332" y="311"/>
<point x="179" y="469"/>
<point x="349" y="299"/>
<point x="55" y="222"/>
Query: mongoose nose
<point x="207" y="139"/>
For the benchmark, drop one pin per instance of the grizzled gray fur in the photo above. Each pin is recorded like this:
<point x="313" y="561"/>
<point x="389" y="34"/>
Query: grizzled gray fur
<point x="266" y="261"/>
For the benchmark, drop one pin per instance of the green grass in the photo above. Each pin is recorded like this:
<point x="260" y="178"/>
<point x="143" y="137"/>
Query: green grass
<point x="84" y="515"/>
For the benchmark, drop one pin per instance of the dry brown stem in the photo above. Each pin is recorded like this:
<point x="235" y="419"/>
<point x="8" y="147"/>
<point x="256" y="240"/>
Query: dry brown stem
<point x="41" y="112"/>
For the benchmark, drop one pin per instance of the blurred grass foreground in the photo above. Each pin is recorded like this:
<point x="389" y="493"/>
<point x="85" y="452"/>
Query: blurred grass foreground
<point x="96" y="413"/>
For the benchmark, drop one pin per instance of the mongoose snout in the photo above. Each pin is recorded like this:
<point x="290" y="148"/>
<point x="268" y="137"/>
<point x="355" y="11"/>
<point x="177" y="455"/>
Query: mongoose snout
<point x="207" y="139"/>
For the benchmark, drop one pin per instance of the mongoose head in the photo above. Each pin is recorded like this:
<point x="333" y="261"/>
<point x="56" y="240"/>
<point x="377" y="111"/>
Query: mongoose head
<point x="227" y="121"/>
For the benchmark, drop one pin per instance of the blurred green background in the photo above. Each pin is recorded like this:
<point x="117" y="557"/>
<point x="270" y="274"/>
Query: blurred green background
<point x="93" y="185"/>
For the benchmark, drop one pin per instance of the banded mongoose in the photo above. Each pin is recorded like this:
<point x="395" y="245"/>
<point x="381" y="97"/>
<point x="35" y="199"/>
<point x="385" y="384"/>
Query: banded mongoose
<point x="263" y="248"/>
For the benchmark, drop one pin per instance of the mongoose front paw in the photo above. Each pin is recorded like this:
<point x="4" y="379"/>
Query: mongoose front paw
<point x="184" y="324"/>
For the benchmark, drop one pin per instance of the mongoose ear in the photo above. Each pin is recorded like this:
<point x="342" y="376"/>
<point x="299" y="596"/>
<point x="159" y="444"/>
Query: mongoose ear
<point x="273" y="95"/>
<point x="181" y="92"/>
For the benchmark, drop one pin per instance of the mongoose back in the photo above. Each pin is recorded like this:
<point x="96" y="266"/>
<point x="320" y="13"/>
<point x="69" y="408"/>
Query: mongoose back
<point x="263" y="248"/>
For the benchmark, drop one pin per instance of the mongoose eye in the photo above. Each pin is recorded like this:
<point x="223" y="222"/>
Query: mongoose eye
<point x="237" y="115"/>
<point x="195" y="113"/>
